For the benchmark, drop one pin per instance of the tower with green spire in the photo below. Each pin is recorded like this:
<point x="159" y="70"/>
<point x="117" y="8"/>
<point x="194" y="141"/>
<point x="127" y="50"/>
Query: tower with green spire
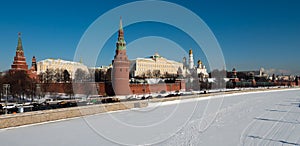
<point x="19" y="46"/>
<point x="19" y="60"/>
<point x="120" y="71"/>
<point x="121" y="44"/>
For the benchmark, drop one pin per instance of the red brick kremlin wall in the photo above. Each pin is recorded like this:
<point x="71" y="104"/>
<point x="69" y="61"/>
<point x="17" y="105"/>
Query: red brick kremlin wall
<point x="77" y="88"/>
<point x="156" y="88"/>
<point x="106" y="89"/>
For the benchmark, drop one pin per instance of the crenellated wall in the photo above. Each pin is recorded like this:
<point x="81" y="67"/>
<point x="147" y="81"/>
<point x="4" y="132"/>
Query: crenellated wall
<point x="107" y="89"/>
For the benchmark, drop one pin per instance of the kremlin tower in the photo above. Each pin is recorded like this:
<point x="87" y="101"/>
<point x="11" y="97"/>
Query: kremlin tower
<point x="120" y="71"/>
<point x="20" y="64"/>
<point x="191" y="59"/>
<point x="33" y="64"/>
<point x="19" y="60"/>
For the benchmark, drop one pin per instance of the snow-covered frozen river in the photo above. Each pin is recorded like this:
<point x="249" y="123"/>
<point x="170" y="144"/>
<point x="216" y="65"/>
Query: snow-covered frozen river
<point x="263" y="118"/>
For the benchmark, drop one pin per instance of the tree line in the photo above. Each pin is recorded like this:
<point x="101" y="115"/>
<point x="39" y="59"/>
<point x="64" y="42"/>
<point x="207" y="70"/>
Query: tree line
<point x="21" y="85"/>
<point x="80" y="75"/>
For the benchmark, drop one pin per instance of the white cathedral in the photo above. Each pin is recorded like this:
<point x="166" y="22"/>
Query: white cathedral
<point x="189" y="68"/>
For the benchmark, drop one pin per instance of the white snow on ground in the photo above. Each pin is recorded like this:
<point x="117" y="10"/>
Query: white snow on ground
<point x="264" y="118"/>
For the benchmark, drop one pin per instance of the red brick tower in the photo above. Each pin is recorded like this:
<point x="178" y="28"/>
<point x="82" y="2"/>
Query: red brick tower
<point x="120" y="71"/>
<point x="32" y="73"/>
<point x="19" y="60"/>
<point x="33" y="64"/>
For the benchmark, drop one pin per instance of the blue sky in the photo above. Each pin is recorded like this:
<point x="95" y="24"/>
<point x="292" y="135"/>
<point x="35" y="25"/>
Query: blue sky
<point x="251" y="33"/>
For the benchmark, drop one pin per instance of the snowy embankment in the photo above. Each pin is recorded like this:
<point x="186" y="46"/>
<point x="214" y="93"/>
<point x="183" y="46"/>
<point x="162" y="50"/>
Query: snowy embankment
<point x="261" y="118"/>
<point x="250" y="118"/>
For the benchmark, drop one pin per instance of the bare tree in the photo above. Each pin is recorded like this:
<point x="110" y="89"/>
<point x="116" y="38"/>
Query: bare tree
<point x="1" y="85"/>
<point x="149" y="74"/>
<point x="21" y="84"/>
<point x="108" y="75"/>
<point x="68" y="89"/>
<point x="219" y="76"/>
<point x="80" y="75"/>
<point x="58" y="76"/>
<point x="50" y="75"/>
<point x="42" y="77"/>
<point x="97" y="75"/>
<point x="66" y="76"/>
<point x="156" y="73"/>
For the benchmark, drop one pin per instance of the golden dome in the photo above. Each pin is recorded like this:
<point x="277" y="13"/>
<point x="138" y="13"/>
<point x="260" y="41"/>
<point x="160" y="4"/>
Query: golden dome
<point x="191" y="51"/>
<point x="199" y="62"/>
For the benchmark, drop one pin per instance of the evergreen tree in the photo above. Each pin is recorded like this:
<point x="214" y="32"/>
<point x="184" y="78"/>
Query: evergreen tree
<point x="66" y="76"/>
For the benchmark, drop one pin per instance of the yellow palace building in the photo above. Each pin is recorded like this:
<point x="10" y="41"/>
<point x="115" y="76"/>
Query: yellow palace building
<point x="154" y="66"/>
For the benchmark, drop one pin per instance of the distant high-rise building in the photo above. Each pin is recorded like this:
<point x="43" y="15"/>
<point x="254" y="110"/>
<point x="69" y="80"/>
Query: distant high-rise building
<point x="120" y="71"/>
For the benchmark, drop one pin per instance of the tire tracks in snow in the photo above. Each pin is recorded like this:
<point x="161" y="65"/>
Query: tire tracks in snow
<point x="274" y="130"/>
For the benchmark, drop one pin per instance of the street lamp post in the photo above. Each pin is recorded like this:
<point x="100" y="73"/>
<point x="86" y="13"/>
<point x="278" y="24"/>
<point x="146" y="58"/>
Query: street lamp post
<point x="97" y="88"/>
<point x="38" y="90"/>
<point x="6" y="88"/>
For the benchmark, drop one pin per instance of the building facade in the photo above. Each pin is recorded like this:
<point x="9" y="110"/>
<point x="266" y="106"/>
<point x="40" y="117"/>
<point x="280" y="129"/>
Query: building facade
<point x="189" y="68"/>
<point x="59" y="64"/>
<point x="201" y="69"/>
<point x="154" y="66"/>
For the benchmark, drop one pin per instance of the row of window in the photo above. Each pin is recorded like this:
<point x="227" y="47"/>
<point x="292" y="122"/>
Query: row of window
<point x="157" y="66"/>
<point x="173" y="70"/>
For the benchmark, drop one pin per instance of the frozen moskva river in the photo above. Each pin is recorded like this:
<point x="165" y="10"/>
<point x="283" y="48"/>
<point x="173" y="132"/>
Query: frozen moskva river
<point x="262" y="118"/>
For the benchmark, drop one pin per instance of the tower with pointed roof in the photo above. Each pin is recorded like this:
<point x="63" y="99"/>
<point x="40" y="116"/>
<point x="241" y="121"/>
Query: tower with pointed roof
<point x="19" y="60"/>
<point x="191" y="59"/>
<point x="120" y="71"/>
<point x="19" y="63"/>
<point x="33" y="64"/>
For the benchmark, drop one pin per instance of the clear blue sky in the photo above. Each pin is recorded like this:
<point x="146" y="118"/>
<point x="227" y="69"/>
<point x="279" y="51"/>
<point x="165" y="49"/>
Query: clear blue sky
<point x="251" y="33"/>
